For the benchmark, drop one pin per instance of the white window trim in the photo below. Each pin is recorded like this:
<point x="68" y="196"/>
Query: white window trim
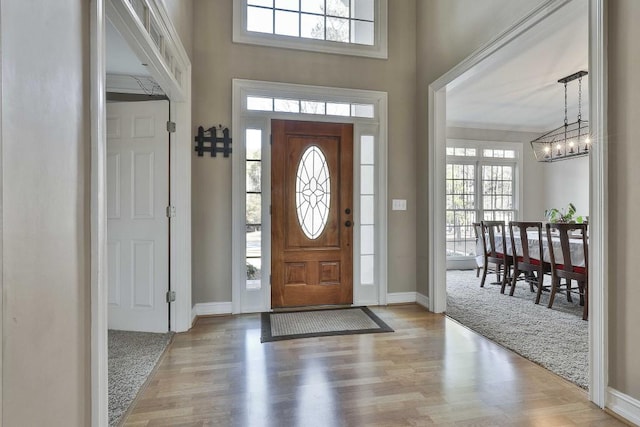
<point x="377" y="50"/>
<point x="245" y="301"/>
<point x="479" y="160"/>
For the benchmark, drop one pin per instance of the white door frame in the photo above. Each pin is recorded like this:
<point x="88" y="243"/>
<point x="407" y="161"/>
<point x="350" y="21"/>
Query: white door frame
<point x="598" y="223"/>
<point x="175" y="80"/>
<point x="256" y="301"/>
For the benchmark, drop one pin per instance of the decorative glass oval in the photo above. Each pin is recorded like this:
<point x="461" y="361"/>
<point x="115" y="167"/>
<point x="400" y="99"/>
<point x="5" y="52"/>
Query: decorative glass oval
<point x="313" y="192"/>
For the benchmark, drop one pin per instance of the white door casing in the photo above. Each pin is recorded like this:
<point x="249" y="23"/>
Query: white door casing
<point x="137" y="224"/>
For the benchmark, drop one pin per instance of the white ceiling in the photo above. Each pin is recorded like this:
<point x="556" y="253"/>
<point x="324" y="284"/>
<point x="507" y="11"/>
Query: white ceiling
<point x="119" y="57"/>
<point x="517" y="88"/>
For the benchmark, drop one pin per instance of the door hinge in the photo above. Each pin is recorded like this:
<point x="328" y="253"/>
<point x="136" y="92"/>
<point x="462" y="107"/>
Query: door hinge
<point x="270" y="139"/>
<point x="171" y="211"/>
<point x="171" y="296"/>
<point x="171" y="126"/>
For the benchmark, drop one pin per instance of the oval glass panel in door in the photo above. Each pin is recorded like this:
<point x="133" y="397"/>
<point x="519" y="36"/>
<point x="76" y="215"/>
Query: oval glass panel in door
<point x="313" y="192"/>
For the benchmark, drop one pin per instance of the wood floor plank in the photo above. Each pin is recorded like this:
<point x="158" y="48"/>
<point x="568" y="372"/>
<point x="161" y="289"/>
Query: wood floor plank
<point x="430" y="372"/>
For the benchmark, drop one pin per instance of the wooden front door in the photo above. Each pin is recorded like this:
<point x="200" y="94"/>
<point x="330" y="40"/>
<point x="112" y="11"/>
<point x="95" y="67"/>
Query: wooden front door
<point x="311" y="213"/>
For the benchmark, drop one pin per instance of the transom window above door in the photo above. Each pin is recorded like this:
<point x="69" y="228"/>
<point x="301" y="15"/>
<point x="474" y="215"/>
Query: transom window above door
<point x="349" y="27"/>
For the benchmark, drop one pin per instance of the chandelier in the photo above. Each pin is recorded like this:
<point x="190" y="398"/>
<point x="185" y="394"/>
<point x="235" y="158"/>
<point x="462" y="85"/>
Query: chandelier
<point x="569" y="140"/>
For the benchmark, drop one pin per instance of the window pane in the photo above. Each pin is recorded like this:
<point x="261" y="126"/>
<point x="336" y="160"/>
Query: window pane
<point x="366" y="210"/>
<point x="253" y="143"/>
<point x="288" y="4"/>
<point x="259" y="20"/>
<point x="362" y="9"/>
<point x="337" y="30"/>
<point x="362" y="33"/>
<point x="312" y="107"/>
<point x="253" y="176"/>
<point x="253" y="209"/>
<point x="338" y="8"/>
<point x="287" y="23"/>
<point x="459" y="151"/>
<point x="286" y="105"/>
<point x="254" y="271"/>
<point x="449" y="151"/>
<point x="367" y="150"/>
<point x="312" y="26"/>
<point x="313" y="6"/>
<point x="366" y="269"/>
<point x="366" y="240"/>
<point x="334" y="109"/>
<point x="366" y="180"/>
<point x="259" y="104"/>
<point x="254" y="242"/>
<point x="362" y="110"/>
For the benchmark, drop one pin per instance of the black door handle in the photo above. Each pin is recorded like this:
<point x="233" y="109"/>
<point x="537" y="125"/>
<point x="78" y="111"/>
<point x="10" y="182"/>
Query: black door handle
<point x="347" y="224"/>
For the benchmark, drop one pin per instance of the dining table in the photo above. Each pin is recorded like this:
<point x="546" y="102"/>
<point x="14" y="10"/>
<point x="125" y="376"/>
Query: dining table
<point x="575" y="248"/>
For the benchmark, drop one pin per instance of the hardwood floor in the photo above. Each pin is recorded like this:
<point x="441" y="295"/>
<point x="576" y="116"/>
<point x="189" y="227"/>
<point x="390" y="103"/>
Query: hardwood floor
<point x="430" y="371"/>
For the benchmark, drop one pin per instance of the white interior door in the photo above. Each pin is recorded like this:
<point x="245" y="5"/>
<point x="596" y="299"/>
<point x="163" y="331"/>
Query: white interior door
<point x="138" y="227"/>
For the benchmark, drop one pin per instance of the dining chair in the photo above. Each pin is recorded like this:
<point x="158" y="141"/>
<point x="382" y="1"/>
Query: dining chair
<point x="477" y="229"/>
<point x="533" y="268"/>
<point x="562" y="266"/>
<point x="496" y="259"/>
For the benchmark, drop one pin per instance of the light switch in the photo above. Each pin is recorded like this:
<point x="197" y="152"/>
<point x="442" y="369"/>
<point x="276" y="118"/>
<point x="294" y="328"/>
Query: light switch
<point x="399" y="205"/>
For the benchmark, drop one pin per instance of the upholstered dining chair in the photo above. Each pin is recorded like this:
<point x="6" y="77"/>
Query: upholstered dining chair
<point x="533" y="268"/>
<point x="496" y="259"/>
<point x="562" y="266"/>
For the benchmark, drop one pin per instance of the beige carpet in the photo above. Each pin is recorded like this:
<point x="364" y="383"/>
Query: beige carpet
<point x="556" y="338"/>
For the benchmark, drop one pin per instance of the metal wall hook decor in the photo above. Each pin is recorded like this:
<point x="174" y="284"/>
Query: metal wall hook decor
<point x="208" y="141"/>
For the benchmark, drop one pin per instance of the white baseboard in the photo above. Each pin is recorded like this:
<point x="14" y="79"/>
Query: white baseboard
<point x="401" y="297"/>
<point x="625" y="406"/>
<point x="211" y="308"/>
<point x="422" y="300"/>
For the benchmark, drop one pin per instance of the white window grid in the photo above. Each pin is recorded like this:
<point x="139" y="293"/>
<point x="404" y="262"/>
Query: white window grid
<point x="481" y="184"/>
<point x="349" y="27"/>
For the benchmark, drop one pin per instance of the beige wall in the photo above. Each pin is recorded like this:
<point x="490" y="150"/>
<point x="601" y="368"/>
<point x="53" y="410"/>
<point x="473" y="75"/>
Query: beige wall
<point x="566" y="182"/>
<point x="624" y="195"/>
<point x="216" y="61"/>
<point x="45" y="213"/>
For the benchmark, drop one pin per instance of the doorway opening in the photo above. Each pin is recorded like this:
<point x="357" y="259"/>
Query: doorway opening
<point x="167" y="67"/>
<point x="438" y="98"/>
